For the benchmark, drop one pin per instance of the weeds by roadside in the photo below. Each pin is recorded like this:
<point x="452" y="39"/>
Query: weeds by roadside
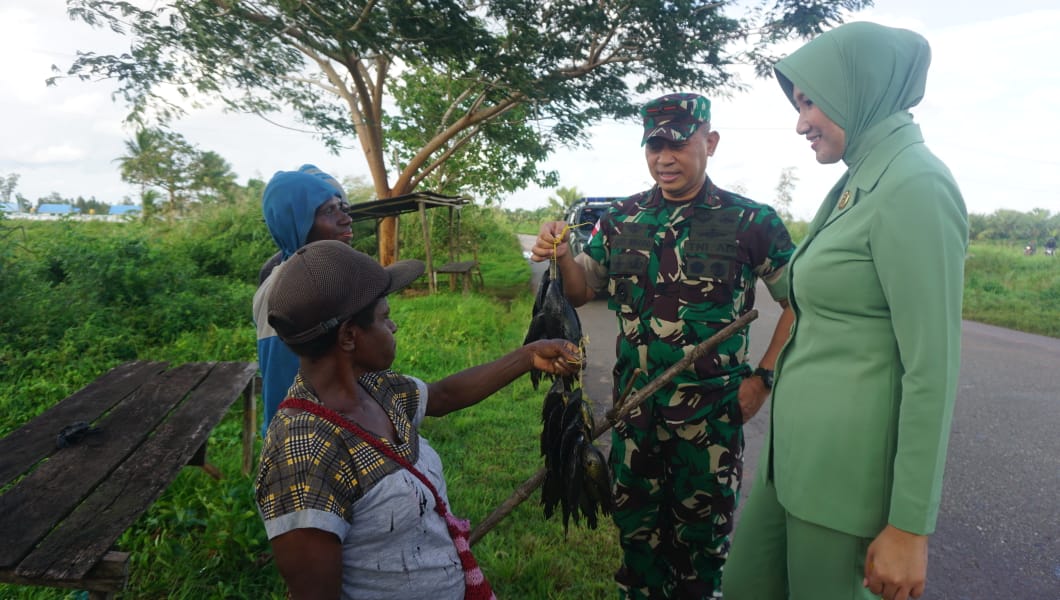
<point x="79" y="298"/>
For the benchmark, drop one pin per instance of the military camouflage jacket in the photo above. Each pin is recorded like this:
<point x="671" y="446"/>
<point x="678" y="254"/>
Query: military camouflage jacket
<point x="679" y="272"/>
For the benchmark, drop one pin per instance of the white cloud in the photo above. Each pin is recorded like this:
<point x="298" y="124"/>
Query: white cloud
<point x="83" y="103"/>
<point x="63" y="153"/>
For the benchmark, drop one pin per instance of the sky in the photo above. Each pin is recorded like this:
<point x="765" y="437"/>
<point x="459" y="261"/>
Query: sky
<point x="990" y="112"/>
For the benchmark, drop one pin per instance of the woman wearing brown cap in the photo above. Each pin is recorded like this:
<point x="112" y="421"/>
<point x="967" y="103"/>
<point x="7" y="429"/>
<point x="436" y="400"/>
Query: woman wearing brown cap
<point x="353" y="498"/>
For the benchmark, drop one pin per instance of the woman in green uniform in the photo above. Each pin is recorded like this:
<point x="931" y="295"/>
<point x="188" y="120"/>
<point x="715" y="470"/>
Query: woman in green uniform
<point x="849" y="485"/>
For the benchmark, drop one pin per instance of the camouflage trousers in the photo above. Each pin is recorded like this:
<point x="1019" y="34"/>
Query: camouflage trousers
<point x="677" y="478"/>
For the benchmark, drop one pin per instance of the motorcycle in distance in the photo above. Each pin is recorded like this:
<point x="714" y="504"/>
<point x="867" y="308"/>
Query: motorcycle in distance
<point x="1028" y="250"/>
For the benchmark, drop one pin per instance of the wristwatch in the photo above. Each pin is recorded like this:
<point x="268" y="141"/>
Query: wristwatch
<point x="766" y="375"/>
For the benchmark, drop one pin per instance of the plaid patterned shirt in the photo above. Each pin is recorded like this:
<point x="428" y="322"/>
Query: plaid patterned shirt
<point x="308" y="463"/>
<point x="314" y="474"/>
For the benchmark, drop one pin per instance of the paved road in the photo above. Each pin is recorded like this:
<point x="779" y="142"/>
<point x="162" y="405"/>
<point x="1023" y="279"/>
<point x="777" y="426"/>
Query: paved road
<point x="998" y="534"/>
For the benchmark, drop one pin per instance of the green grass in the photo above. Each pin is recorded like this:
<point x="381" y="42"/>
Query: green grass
<point x="491" y="448"/>
<point x="1005" y="288"/>
<point x="203" y="538"/>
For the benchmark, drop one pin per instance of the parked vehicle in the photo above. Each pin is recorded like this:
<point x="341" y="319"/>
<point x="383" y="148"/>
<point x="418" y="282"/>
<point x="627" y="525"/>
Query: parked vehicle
<point x="582" y="217"/>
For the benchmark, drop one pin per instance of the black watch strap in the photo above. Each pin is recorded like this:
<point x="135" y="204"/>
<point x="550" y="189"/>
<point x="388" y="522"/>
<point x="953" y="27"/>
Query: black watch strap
<point x="766" y="375"/>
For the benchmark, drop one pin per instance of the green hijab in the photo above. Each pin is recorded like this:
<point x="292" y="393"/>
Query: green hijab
<point x="863" y="76"/>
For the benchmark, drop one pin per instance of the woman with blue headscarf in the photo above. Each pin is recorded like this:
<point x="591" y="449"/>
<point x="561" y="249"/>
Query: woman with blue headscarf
<point x="300" y="206"/>
<point x="851" y="474"/>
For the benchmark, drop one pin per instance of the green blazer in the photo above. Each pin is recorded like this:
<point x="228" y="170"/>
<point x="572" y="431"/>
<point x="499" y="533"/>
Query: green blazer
<point x="865" y="386"/>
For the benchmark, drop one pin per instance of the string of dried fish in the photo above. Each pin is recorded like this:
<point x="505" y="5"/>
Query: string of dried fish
<point x="577" y="478"/>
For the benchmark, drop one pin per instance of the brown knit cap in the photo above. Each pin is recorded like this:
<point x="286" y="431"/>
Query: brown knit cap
<point x="324" y="283"/>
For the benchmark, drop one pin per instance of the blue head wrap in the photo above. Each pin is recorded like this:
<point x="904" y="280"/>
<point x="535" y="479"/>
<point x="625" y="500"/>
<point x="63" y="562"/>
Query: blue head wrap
<point x="290" y="202"/>
<point x="313" y="170"/>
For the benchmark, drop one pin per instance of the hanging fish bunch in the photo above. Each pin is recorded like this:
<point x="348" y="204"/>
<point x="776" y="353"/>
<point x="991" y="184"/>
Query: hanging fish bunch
<point x="577" y="478"/>
<point x="553" y="317"/>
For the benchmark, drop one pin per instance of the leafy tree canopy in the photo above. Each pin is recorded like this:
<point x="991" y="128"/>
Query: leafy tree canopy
<point x="564" y="199"/>
<point x="459" y="93"/>
<point x="157" y="159"/>
<point x="7" y="186"/>
<point x="785" y="188"/>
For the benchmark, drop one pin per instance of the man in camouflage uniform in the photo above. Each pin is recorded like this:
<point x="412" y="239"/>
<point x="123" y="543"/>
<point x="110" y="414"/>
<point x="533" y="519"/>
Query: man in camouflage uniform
<point x="679" y="262"/>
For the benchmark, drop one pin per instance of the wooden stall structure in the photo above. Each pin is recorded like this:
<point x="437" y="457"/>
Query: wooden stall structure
<point x="420" y="202"/>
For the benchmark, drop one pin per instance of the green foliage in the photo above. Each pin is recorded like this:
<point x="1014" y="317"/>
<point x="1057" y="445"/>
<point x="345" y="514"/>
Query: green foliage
<point x="203" y="538"/>
<point x="485" y="232"/>
<point x="797" y="229"/>
<point x="8" y="184"/>
<point x="1006" y="225"/>
<point x="233" y="242"/>
<point x="12" y="237"/>
<point x="77" y="298"/>
<point x="564" y="199"/>
<point x="161" y="161"/>
<point x="1005" y="288"/>
<point x="785" y="188"/>
<point x="529" y="222"/>
<point x="502" y="155"/>
<point x="483" y="91"/>
<point x="357" y="188"/>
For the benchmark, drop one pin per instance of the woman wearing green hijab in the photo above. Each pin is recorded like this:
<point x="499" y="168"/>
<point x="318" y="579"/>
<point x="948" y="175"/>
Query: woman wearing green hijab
<point x="851" y="475"/>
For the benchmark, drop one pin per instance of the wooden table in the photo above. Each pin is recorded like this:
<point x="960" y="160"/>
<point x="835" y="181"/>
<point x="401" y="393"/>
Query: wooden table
<point x="62" y="508"/>
<point x="466" y="269"/>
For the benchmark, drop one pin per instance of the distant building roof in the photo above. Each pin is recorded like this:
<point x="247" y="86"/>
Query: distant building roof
<point x="8" y="207"/>
<point x="57" y="209"/>
<point x="124" y="209"/>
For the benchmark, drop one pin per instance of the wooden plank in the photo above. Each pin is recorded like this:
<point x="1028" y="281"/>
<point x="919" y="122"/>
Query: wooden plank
<point x="45" y="496"/>
<point x="464" y="270"/>
<point x="457" y="267"/>
<point x="77" y="543"/>
<point x="250" y="422"/>
<point x="109" y="575"/>
<point x="24" y="447"/>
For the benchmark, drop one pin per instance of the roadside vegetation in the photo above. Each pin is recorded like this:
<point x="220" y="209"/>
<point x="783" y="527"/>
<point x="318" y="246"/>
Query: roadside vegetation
<point x="1005" y="288"/>
<point x="77" y="298"/>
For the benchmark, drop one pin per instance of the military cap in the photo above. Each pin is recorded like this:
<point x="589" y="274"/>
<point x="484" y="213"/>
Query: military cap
<point x="674" y="116"/>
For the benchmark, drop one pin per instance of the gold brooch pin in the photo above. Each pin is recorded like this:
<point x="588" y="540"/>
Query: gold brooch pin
<point x="844" y="200"/>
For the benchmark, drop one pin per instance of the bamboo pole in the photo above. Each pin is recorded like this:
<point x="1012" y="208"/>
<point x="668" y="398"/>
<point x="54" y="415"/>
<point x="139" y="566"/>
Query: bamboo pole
<point x="613" y="416"/>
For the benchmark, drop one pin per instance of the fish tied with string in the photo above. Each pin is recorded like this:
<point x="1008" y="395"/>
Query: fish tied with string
<point x="577" y="478"/>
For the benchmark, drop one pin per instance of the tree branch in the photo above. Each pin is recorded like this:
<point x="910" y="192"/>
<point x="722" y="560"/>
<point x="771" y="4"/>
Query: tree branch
<point x="460" y="142"/>
<point x="469" y="119"/>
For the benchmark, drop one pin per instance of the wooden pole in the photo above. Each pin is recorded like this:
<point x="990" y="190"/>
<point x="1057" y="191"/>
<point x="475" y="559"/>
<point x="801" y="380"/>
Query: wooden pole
<point x="613" y="416"/>
<point x="250" y="422"/>
<point x="425" y="226"/>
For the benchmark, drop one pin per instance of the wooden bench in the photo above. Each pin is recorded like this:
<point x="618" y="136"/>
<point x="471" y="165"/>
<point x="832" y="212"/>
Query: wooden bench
<point x="63" y="508"/>
<point x="466" y="269"/>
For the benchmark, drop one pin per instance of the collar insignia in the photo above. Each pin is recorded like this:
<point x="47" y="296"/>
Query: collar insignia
<point x="844" y="200"/>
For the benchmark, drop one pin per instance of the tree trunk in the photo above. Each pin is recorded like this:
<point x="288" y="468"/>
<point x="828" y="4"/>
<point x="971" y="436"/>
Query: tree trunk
<point x="388" y="241"/>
